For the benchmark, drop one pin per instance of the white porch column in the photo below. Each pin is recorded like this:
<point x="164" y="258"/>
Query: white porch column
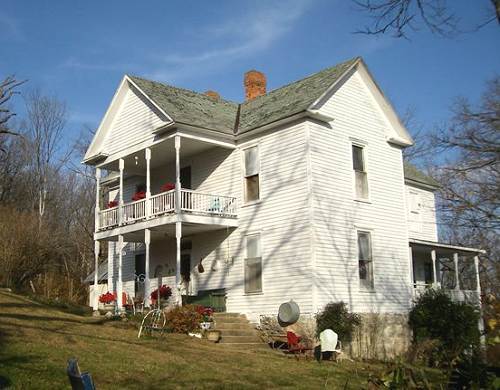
<point x="119" y="283"/>
<point x="412" y="277"/>
<point x="96" y="275"/>
<point x="434" y="269"/>
<point x="457" y="279"/>
<point x="147" y="284"/>
<point x="97" y="197"/>
<point x="120" y="202"/>
<point x="148" y="182"/>
<point x="478" y="281"/>
<point x="177" y="174"/>
<point x="178" y="235"/>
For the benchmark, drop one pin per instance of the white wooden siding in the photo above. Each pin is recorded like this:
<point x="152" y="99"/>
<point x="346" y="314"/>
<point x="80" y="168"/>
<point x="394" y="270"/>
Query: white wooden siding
<point x="422" y="225"/>
<point x="134" y="122"/>
<point x="337" y="215"/>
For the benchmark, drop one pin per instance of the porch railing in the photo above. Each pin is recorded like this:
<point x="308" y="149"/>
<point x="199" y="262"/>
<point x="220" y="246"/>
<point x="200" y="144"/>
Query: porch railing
<point x="108" y="218"/>
<point x="134" y="211"/>
<point x="164" y="203"/>
<point x="204" y="203"/>
<point x="469" y="296"/>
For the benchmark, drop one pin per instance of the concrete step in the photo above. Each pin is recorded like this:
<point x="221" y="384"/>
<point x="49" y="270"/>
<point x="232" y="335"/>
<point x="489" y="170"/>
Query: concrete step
<point x="240" y="339"/>
<point x="232" y="325"/>
<point x="238" y="332"/>
<point x="225" y="315"/>
<point x="232" y="320"/>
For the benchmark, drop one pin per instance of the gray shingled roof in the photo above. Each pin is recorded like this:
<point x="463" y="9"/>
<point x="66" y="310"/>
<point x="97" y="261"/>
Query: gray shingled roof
<point x="198" y="109"/>
<point x="415" y="175"/>
<point x="101" y="275"/>
<point x="289" y="99"/>
<point x="190" y="107"/>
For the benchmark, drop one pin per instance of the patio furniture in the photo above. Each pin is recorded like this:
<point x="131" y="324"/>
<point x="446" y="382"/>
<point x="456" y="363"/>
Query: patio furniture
<point x="295" y="344"/>
<point x="79" y="380"/>
<point x="330" y="344"/>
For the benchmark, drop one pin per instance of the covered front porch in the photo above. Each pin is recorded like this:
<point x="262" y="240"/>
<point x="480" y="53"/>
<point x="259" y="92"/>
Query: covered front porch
<point x="451" y="268"/>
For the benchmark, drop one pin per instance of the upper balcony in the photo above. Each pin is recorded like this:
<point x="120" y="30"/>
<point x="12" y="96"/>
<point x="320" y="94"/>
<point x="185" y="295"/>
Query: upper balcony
<point x="202" y="167"/>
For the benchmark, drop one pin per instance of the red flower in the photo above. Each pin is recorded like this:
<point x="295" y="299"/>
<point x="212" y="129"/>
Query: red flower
<point x="107" y="298"/>
<point x="112" y="203"/>
<point x="167" y="187"/>
<point x="139" y="195"/>
<point x="165" y="293"/>
<point x="206" y="312"/>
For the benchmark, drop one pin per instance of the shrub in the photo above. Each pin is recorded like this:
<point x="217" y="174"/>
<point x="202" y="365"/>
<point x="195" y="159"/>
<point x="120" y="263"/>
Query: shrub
<point x="337" y="317"/>
<point x="183" y="319"/>
<point x="454" y="325"/>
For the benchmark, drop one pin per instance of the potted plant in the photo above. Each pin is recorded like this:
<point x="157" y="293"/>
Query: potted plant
<point x="108" y="300"/>
<point x="139" y="195"/>
<point x="207" y="315"/>
<point x="112" y="203"/>
<point x="167" y="187"/>
<point x="165" y="292"/>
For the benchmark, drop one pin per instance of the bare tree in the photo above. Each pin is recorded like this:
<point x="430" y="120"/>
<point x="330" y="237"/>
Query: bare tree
<point x="7" y="91"/>
<point x="400" y="16"/>
<point x="420" y="149"/>
<point x="44" y="126"/>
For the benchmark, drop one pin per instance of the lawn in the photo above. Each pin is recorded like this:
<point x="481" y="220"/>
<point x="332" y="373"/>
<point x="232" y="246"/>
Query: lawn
<point x="36" y="341"/>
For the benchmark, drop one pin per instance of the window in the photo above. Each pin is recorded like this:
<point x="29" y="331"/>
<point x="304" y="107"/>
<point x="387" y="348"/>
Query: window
<point x="358" y="164"/>
<point x="252" y="168"/>
<point x="253" y="264"/>
<point x="415" y="203"/>
<point x="365" y="261"/>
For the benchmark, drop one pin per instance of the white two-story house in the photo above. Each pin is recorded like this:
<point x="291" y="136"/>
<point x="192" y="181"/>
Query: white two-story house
<point x="298" y="193"/>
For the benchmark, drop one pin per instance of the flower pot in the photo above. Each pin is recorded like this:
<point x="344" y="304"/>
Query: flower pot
<point x="213" y="335"/>
<point x="205" y="325"/>
<point x="109" y="307"/>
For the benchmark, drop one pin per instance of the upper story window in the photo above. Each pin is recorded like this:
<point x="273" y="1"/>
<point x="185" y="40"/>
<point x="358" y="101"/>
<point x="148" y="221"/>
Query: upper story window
<point x="252" y="169"/>
<point x="365" y="260"/>
<point x="415" y="203"/>
<point x="253" y="264"/>
<point x="360" y="176"/>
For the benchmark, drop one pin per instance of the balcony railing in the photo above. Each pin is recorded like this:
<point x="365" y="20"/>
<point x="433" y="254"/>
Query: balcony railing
<point x="164" y="203"/>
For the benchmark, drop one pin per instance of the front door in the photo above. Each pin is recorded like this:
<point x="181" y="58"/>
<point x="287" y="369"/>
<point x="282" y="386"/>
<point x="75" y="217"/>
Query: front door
<point x="186" y="273"/>
<point x="185" y="177"/>
<point x="140" y="274"/>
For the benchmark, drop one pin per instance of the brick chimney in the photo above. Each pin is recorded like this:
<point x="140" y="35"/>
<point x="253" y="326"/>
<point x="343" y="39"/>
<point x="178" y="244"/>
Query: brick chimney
<point x="255" y="84"/>
<point x="214" y="95"/>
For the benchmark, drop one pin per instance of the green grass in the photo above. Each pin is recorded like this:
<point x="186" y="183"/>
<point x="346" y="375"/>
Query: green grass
<point x="36" y="340"/>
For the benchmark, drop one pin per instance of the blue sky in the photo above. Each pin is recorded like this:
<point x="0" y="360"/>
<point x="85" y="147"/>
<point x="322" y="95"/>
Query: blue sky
<point x="79" y="51"/>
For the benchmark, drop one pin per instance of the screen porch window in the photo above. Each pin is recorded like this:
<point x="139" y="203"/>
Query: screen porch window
<point x="360" y="177"/>
<point x="365" y="260"/>
<point x="253" y="264"/>
<point x="252" y="168"/>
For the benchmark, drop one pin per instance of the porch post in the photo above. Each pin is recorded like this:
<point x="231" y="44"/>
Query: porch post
<point x="120" y="283"/>
<point x="97" y="196"/>
<point x="478" y="281"/>
<point x="178" y="235"/>
<point x="177" y="174"/>
<point x="434" y="270"/>
<point x="148" y="182"/>
<point x="96" y="276"/>
<point x="147" y="285"/>
<point x="457" y="279"/>
<point x="411" y="275"/>
<point x="120" y="202"/>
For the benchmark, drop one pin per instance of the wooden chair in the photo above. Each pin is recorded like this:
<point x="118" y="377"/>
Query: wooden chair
<point x="79" y="380"/>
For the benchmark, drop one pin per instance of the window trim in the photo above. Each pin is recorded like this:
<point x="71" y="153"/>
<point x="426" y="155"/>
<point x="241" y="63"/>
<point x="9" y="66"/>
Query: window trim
<point x="364" y="147"/>
<point x="245" y="258"/>
<point x="243" y="175"/>
<point x="363" y="287"/>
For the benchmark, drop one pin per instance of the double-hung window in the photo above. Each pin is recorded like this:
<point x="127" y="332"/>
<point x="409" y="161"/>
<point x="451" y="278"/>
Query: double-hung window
<point x="360" y="176"/>
<point x="365" y="260"/>
<point x="252" y="168"/>
<point x="253" y="264"/>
